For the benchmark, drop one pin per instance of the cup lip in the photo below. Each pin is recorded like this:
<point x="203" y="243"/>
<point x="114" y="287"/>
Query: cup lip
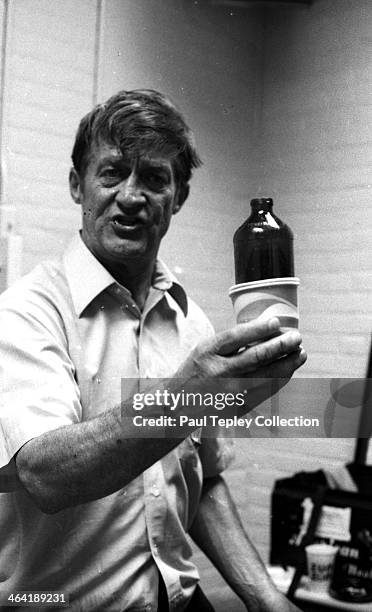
<point x="267" y="282"/>
<point x="321" y="548"/>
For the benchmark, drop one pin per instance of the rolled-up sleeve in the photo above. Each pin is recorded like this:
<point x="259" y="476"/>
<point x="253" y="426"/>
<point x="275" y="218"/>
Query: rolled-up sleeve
<point x="38" y="387"/>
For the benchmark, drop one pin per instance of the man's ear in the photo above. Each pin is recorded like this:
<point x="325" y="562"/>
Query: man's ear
<point x="181" y="197"/>
<point x="75" y="186"/>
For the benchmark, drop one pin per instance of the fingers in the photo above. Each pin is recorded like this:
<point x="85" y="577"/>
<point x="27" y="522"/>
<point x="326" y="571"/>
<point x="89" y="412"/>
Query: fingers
<point x="284" y="367"/>
<point x="232" y="340"/>
<point x="268" y="353"/>
<point x="245" y="350"/>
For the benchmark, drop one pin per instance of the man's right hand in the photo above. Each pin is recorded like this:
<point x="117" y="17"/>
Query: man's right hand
<point x="255" y="350"/>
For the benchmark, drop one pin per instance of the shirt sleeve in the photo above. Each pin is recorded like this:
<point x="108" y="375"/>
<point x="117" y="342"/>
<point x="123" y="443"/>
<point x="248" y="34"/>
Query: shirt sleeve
<point x="216" y="454"/>
<point x="39" y="392"/>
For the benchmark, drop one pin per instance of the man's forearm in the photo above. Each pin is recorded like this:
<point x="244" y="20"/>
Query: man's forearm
<point x="85" y="461"/>
<point x="218" y="531"/>
<point x="88" y="460"/>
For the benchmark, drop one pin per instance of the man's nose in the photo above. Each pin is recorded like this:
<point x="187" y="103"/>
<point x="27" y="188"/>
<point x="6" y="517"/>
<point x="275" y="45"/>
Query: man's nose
<point x="130" y="193"/>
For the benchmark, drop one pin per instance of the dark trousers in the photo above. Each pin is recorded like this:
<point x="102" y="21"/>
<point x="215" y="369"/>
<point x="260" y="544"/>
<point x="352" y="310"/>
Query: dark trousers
<point x="197" y="603"/>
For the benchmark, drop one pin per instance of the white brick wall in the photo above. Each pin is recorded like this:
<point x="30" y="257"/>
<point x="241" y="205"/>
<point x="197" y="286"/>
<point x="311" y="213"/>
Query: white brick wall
<point x="3" y="23"/>
<point x="317" y="138"/>
<point x="49" y="85"/>
<point x="316" y="131"/>
<point x="209" y="61"/>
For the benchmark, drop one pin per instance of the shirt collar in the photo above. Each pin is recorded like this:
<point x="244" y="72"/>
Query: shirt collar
<point x="164" y="280"/>
<point x="87" y="277"/>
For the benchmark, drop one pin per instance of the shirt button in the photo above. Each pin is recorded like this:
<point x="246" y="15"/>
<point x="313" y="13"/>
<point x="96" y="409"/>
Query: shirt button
<point x="155" y="490"/>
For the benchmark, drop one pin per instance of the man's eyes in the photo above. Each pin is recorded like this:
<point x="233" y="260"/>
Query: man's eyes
<point x="156" y="179"/>
<point x="110" y="175"/>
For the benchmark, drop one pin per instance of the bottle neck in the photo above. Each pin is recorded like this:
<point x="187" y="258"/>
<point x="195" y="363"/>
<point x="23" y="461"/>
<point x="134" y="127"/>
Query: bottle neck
<point x="262" y="205"/>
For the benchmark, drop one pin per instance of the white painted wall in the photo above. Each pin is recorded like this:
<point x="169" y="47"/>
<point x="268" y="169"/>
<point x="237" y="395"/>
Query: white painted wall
<point x="208" y="60"/>
<point x="317" y="135"/>
<point x="317" y="150"/>
<point x="48" y="87"/>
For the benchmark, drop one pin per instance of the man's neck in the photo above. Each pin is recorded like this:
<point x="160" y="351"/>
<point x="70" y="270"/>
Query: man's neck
<point x="135" y="278"/>
<point x="135" y="275"/>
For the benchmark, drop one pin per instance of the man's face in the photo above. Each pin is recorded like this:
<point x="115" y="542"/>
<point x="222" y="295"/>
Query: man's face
<point x="127" y="205"/>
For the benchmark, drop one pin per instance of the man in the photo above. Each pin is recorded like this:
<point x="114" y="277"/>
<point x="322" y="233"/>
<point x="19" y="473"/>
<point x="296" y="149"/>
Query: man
<point x="96" y="514"/>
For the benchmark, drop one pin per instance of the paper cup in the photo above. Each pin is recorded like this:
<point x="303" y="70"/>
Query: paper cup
<point x="264" y="299"/>
<point x="320" y="561"/>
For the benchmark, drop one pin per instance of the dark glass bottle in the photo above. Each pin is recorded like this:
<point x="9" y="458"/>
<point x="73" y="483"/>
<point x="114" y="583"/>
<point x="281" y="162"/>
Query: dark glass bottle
<point x="263" y="245"/>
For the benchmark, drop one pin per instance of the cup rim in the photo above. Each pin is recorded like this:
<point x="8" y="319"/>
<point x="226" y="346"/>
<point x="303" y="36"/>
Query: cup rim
<point x="267" y="282"/>
<point x="321" y="548"/>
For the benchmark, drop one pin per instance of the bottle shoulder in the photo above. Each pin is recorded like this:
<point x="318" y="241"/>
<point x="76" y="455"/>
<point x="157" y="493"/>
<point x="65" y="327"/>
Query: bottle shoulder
<point x="257" y="230"/>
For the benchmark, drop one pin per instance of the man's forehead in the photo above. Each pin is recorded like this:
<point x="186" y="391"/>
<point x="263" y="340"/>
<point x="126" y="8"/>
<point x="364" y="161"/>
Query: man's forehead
<point x="103" y="151"/>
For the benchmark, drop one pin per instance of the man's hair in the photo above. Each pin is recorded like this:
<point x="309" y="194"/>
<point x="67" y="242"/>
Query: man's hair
<point x="138" y="122"/>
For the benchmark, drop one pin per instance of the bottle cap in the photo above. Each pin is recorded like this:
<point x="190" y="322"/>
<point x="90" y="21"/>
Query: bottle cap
<point x="261" y="202"/>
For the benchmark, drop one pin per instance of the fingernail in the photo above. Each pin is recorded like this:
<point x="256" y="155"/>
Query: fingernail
<point x="273" y="324"/>
<point x="295" y="337"/>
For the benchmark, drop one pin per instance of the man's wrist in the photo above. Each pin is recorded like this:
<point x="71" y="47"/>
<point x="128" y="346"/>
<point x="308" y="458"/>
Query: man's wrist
<point x="271" y="602"/>
<point x="267" y="599"/>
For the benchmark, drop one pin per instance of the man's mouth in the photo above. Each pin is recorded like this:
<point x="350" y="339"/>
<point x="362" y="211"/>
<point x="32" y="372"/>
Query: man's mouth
<point x="124" y="223"/>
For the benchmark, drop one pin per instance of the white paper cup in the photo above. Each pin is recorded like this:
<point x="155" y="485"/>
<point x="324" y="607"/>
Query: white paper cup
<point x="320" y="561"/>
<point x="264" y="299"/>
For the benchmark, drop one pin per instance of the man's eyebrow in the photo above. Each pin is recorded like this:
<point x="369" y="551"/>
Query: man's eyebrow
<point x="157" y="165"/>
<point x="146" y="164"/>
<point x="111" y="159"/>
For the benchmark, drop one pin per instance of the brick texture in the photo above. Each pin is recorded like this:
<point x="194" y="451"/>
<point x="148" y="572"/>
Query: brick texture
<point x="315" y="163"/>
<point x="49" y="78"/>
<point x="316" y="159"/>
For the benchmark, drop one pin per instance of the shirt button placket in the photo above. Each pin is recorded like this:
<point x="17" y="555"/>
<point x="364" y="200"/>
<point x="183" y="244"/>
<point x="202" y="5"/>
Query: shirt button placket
<point x="155" y="492"/>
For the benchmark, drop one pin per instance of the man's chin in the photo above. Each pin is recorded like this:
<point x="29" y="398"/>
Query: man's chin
<point x="128" y="250"/>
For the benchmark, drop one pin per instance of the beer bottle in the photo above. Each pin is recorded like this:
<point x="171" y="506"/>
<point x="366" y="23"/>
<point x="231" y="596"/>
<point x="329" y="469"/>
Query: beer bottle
<point x="263" y="245"/>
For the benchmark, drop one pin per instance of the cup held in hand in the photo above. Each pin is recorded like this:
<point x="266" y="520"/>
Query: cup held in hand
<point x="264" y="299"/>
